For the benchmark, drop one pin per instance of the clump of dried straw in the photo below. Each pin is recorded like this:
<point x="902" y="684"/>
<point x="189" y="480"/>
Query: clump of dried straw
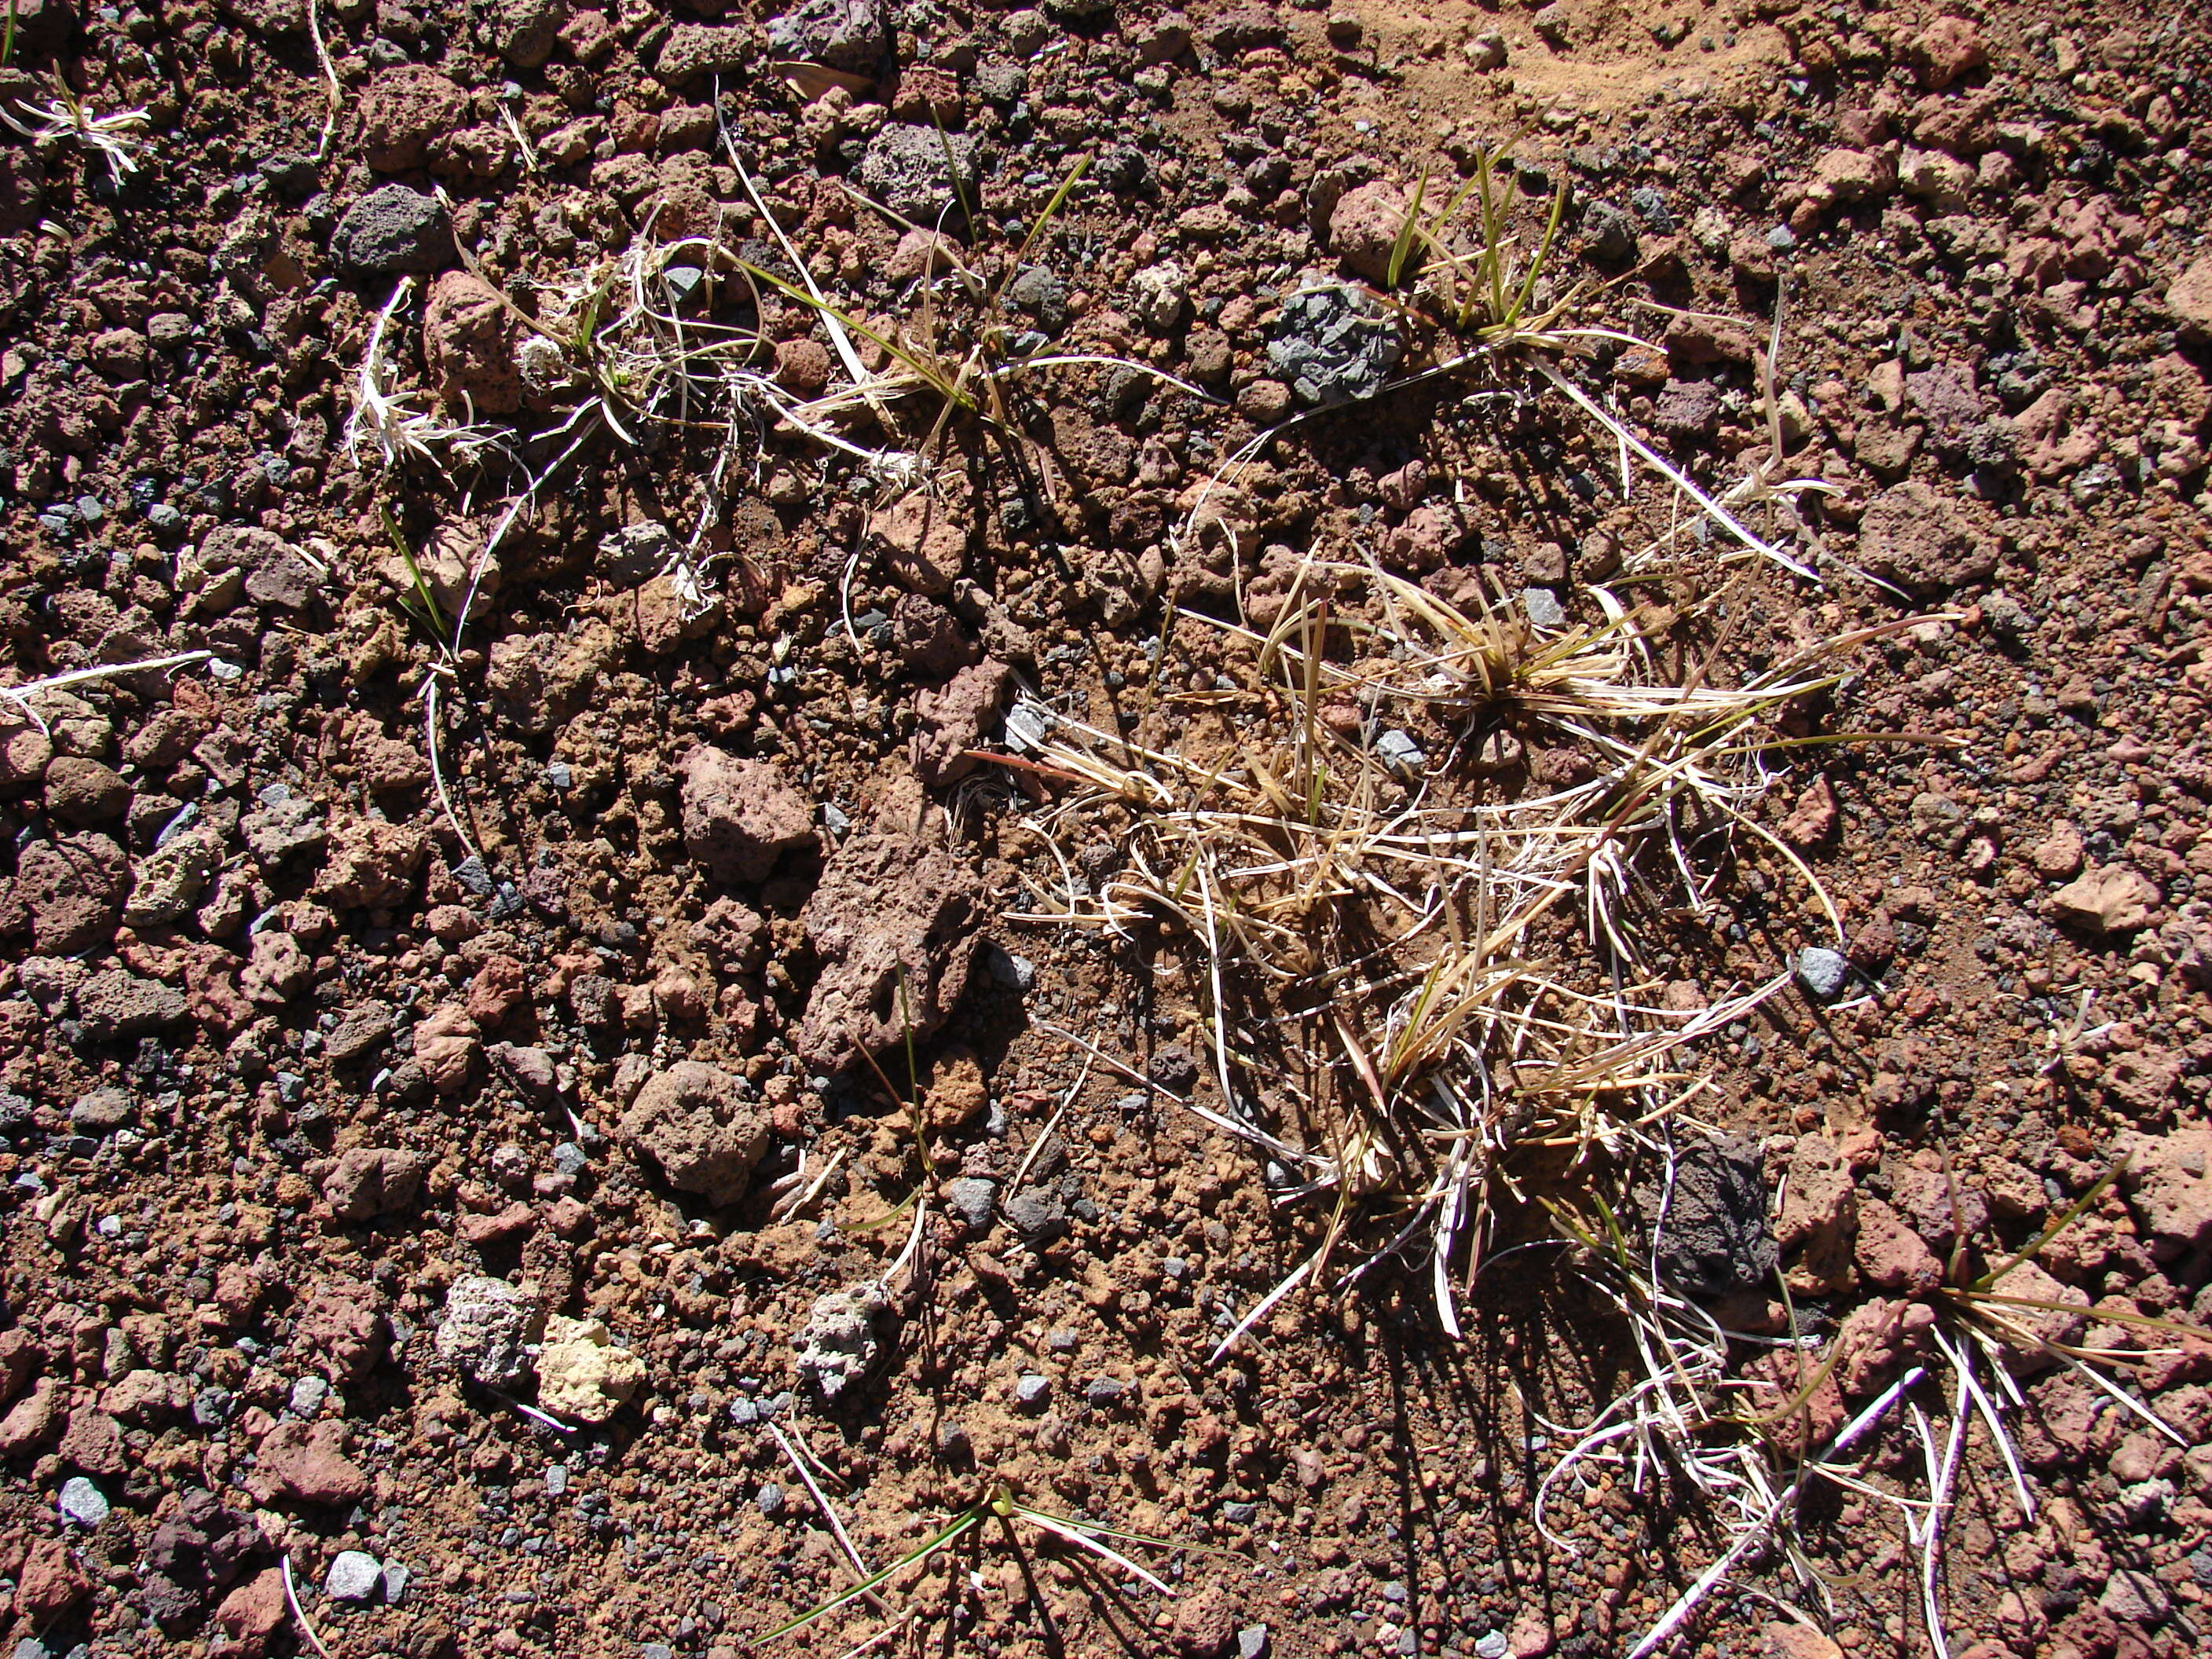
<point x="1412" y="848"/>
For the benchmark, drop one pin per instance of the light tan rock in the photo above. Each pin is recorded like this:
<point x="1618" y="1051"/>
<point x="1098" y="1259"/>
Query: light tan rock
<point x="581" y="1374"/>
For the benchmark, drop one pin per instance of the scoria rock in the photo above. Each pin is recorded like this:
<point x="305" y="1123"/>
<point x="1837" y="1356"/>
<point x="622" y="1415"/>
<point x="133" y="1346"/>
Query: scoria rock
<point x="306" y="1463"/>
<point x="739" y="816"/>
<point x="485" y="1329"/>
<point x="2113" y="898"/>
<point x="841" y="1343"/>
<point x="73" y="887"/>
<point x="953" y="719"/>
<point x="372" y="1181"/>
<point x="706" y="1137"/>
<point x="445" y="1044"/>
<point x="1917" y="539"/>
<point x="343" y="1326"/>
<point x="895" y="922"/>
<point x="2169" y="1178"/>
<point x="469" y="336"/>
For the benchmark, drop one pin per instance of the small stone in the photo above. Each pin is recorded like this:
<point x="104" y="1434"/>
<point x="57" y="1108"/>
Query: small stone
<point x="769" y="1500"/>
<point x="1714" y="1239"/>
<point x="354" y="1575"/>
<point x="396" y="1576"/>
<point x="307" y="1395"/>
<point x="1252" y="1642"/>
<point x="114" y="1006"/>
<point x="1915" y="537"/>
<point x="2113" y="898"/>
<point x="952" y="721"/>
<point x="696" y="1123"/>
<point x="2135" y="1597"/>
<point x="1104" y="1392"/>
<point x="974" y="1200"/>
<point x="1398" y="752"/>
<point x="1032" y="1391"/>
<point x="100" y="1112"/>
<point x="81" y="1502"/>
<point x="841" y="1346"/>
<point x="887" y="908"/>
<point x="1366" y="228"/>
<point x="1823" y="972"/>
<point x="368" y="1181"/>
<point x="1542" y="608"/>
<point x="1812" y="819"/>
<point x="920" y="173"/>
<point x="2190" y="299"/>
<point x="691" y="51"/>
<point x="739" y="816"/>
<point x="1787" y="1639"/>
<point x="469" y="337"/>
<point x="485" y="1329"/>
<point x="1688" y="410"/>
<point x="526" y="32"/>
<point x="1037" y="1213"/>
<point x="1160" y="293"/>
<point x="844" y="34"/>
<point x="581" y="1374"/>
<point x="2058" y="855"/>
<point x="393" y="229"/>
<point x="1609" y="235"/>
<point x="1333" y="344"/>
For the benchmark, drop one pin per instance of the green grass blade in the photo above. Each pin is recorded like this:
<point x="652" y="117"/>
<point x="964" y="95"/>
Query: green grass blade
<point x="1044" y="219"/>
<point x="2073" y="1213"/>
<point x="1408" y="231"/>
<point x="961" y="1523"/>
<point x="1493" y="265"/>
<point x="1543" y="252"/>
<point x="426" y="610"/>
<point x="931" y="373"/>
<point x="953" y="170"/>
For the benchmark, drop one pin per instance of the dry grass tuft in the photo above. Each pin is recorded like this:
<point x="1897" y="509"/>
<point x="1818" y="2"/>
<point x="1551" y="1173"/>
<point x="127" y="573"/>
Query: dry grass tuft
<point x="1411" y="848"/>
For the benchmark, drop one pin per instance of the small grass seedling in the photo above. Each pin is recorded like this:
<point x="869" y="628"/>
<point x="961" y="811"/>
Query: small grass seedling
<point x="1000" y="1509"/>
<point x="394" y="425"/>
<point x="1483" y="295"/>
<point x="114" y="138"/>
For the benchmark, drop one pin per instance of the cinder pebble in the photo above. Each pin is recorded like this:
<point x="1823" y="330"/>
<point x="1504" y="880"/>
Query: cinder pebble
<point x="82" y="1502"/>
<point x="1823" y="972"/>
<point x="1542" y="608"/>
<point x="973" y="1199"/>
<point x="354" y="1575"/>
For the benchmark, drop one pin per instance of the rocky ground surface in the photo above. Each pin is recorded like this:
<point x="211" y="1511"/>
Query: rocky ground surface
<point x="334" y="1140"/>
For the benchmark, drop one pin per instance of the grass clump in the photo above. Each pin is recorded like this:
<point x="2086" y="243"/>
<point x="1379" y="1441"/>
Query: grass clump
<point x="1413" y="849"/>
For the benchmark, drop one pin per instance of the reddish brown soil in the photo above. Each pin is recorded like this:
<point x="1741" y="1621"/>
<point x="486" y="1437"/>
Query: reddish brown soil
<point x="275" y="1086"/>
